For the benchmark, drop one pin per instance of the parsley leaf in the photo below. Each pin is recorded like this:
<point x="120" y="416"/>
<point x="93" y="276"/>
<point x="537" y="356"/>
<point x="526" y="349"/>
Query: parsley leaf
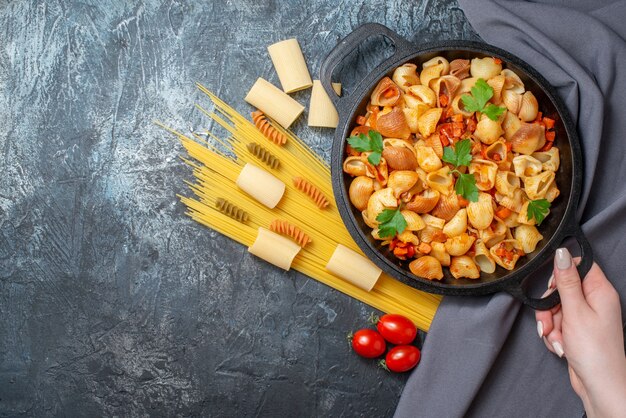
<point x="391" y="222"/>
<point x="538" y="209"/>
<point x="461" y="156"/>
<point x="481" y="93"/>
<point x="373" y="142"/>
<point x="466" y="186"/>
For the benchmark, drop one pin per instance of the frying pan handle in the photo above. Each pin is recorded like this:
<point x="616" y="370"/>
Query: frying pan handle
<point x="549" y="302"/>
<point x="349" y="44"/>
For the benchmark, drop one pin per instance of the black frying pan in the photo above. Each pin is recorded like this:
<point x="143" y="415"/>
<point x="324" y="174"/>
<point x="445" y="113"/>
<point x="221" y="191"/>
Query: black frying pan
<point x="558" y="226"/>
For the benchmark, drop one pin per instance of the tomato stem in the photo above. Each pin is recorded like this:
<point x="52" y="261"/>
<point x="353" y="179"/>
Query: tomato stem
<point x="383" y="364"/>
<point x="373" y="319"/>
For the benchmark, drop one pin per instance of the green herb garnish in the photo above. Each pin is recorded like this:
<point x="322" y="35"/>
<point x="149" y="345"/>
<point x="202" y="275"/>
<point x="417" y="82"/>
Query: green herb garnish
<point x="373" y="142"/>
<point x="460" y="156"/>
<point x="477" y="102"/>
<point x="538" y="209"/>
<point x="391" y="222"/>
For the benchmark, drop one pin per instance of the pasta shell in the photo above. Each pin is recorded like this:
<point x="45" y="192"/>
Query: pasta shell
<point x="485" y="67"/>
<point x="447" y="207"/>
<point x="485" y="173"/>
<point x="522" y="216"/>
<point x="459" y="108"/>
<point x="507" y="182"/>
<point x="528" y="237"/>
<point x="399" y="158"/>
<point x="411" y="116"/>
<point x="457" y="225"/>
<point x="512" y="100"/>
<point x="480" y="214"/>
<point x="510" y="246"/>
<point x="525" y="166"/>
<point x="528" y="138"/>
<point x="427" y="123"/>
<point x="408" y="237"/>
<point x="446" y="85"/>
<point x="433" y="221"/>
<point x="445" y="65"/>
<point x="430" y="73"/>
<point x="406" y="76"/>
<point x="497" y="151"/>
<point x="427" y="267"/>
<point x="361" y="189"/>
<point x="369" y="221"/>
<point x="464" y="266"/>
<point x="355" y="166"/>
<point x="488" y="131"/>
<point x="460" y="244"/>
<point x="512" y="81"/>
<point x="482" y="258"/>
<point x="414" y="222"/>
<point x="438" y="250"/>
<point x="393" y="124"/>
<point x="550" y="160"/>
<point x="379" y="201"/>
<point x="466" y="85"/>
<point x="497" y="84"/>
<point x="514" y="202"/>
<point x="510" y="125"/>
<point x="552" y="193"/>
<point x="460" y="68"/>
<point x="440" y="180"/>
<point x="397" y="142"/>
<point x="422" y="95"/>
<point x="386" y="93"/>
<point x="431" y="234"/>
<point x="401" y="181"/>
<point x="529" y="108"/>
<point x="434" y="142"/>
<point x="424" y="202"/>
<point x="537" y="186"/>
<point x="494" y="233"/>
<point x="427" y="159"/>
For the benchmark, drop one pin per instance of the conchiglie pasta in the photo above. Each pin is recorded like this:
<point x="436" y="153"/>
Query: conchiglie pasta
<point x="419" y="111"/>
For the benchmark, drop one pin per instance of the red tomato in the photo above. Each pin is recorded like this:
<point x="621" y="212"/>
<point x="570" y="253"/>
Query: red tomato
<point x="402" y="358"/>
<point x="368" y="343"/>
<point x="396" y="329"/>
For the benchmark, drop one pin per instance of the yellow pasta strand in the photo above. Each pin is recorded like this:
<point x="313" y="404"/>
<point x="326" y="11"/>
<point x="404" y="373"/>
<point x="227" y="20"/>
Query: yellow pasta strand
<point x="215" y="171"/>
<point x="285" y="228"/>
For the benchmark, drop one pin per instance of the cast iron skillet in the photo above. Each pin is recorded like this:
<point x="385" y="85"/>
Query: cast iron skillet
<point x="561" y="223"/>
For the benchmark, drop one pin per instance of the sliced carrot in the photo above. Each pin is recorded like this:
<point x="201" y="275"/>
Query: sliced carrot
<point x="547" y="146"/>
<point x="548" y="122"/>
<point x="424" y="248"/>
<point x="497" y="61"/>
<point x="550" y="136"/>
<point x="410" y="251"/>
<point x="503" y="212"/>
<point x="443" y="100"/>
<point x="539" y="117"/>
<point x="462" y="201"/>
<point x="389" y="93"/>
<point x="361" y="120"/>
<point x="471" y="125"/>
<point x="444" y="139"/>
<point x="392" y="244"/>
<point x="457" y="118"/>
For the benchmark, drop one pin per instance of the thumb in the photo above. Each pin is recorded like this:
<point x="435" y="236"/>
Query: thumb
<point x="568" y="282"/>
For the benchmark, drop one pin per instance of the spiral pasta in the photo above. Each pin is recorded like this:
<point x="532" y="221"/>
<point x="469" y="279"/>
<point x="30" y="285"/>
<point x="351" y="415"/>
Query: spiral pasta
<point x="263" y="154"/>
<point x="313" y="192"/>
<point x="231" y="210"/>
<point x="285" y="228"/>
<point x="263" y="125"/>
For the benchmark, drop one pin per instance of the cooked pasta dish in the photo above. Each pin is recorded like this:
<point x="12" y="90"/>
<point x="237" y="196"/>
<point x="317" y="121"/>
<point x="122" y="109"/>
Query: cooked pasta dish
<point x="453" y="166"/>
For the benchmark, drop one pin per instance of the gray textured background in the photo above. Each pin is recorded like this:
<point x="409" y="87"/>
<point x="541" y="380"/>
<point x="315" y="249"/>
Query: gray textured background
<point x="111" y="300"/>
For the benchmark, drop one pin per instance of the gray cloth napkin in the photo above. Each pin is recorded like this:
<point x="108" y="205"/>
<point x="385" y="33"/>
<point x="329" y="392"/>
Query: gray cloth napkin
<point x="482" y="356"/>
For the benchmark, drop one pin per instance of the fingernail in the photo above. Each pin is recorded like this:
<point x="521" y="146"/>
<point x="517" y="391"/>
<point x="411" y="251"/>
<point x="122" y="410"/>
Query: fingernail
<point x="551" y="281"/>
<point x="549" y="291"/>
<point x="563" y="259"/>
<point x="540" y="328"/>
<point x="558" y="348"/>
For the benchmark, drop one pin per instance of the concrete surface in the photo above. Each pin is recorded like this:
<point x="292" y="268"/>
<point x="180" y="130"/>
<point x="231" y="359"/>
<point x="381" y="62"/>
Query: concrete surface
<point x="112" y="302"/>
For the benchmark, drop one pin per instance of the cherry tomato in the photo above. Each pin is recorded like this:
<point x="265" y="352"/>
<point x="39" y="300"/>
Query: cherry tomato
<point x="368" y="343"/>
<point x="396" y="329"/>
<point x="402" y="358"/>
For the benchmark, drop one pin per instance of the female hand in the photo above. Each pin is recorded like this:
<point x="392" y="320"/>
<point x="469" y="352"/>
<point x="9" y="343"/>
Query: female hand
<point x="586" y="329"/>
